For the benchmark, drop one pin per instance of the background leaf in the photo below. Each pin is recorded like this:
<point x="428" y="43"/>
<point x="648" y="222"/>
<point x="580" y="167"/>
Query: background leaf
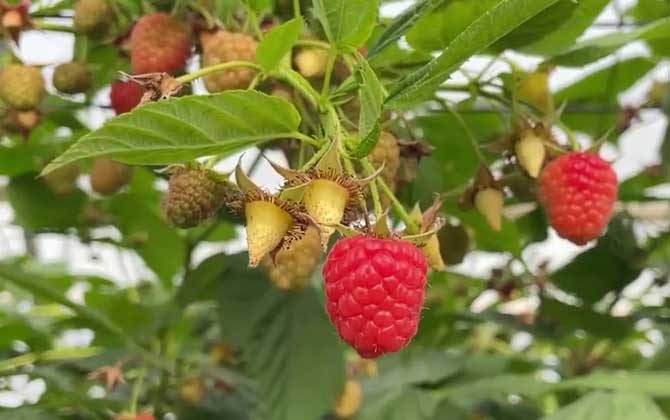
<point x="278" y="42"/>
<point x="490" y="26"/>
<point x="347" y="22"/>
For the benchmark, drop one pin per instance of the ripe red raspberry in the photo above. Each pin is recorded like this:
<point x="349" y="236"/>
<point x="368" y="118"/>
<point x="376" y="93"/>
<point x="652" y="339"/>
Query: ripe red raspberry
<point x="159" y="43"/>
<point x="125" y="96"/>
<point x="374" y="292"/>
<point x="578" y="190"/>
<point x="136" y="417"/>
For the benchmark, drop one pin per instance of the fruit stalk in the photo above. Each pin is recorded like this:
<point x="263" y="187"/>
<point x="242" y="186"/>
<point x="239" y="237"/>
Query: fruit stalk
<point x="187" y="78"/>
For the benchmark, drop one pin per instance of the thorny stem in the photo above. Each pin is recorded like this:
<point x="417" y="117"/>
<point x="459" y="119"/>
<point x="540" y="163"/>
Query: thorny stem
<point x="187" y="78"/>
<point x="397" y="206"/>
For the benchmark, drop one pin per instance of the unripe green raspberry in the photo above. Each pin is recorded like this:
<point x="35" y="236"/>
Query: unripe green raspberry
<point x="92" y="17"/>
<point x="72" y="77"/>
<point x="21" y="87"/>
<point x="293" y="267"/>
<point x="386" y="152"/>
<point x="193" y="196"/>
<point x="222" y="47"/>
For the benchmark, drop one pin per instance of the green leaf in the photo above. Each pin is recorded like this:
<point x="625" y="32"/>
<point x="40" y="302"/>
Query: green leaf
<point x="277" y="43"/>
<point x="473" y="391"/>
<point x="159" y="244"/>
<point x="347" y="22"/>
<point x="260" y="6"/>
<point x="609" y="266"/>
<point x="604" y="85"/>
<point x="456" y="156"/>
<point x="402" y="23"/>
<point x="568" y="318"/>
<point x="18" y="159"/>
<point x="594" y="49"/>
<point x="180" y="129"/>
<point x="555" y="29"/>
<point x="371" y="96"/>
<point x="583" y="15"/>
<point x="610" y="406"/>
<point x="29" y="196"/>
<point x="651" y="383"/>
<point x="201" y="283"/>
<point x="413" y="367"/>
<point x="296" y="357"/>
<point x="438" y="29"/>
<point x="496" y="22"/>
<point x="287" y="340"/>
<point x="409" y="404"/>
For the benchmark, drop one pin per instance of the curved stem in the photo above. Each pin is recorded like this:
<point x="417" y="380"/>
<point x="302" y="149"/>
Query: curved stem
<point x="307" y="139"/>
<point x="187" y="78"/>
<point x="412" y="227"/>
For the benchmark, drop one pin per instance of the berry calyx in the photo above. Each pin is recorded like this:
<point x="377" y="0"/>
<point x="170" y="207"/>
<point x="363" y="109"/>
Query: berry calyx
<point x="311" y="62"/>
<point x="159" y="43"/>
<point x="109" y="176"/>
<point x="292" y="267"/>
<point x="125" y="95"/>
<point x="489" y="202"/>
<point x="326" y="201"/>
<point x="222" y="47"/>
<point x="72" y="77"/>
<point x="193" y="196"/>
<point x="21" y="87"/>
<point x="267" y="225"/>
<point x="375" y="292"/>
<point x="349" y="401"/>
<point x="578" y="191"/>
<point x="530" y="152"/>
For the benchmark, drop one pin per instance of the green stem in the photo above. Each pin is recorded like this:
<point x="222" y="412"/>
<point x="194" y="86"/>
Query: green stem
<point x="48" y="26"/>
<point x="137" y="390"/>
<point x="412" y="227"/>
<point x="253" y="20"/>
<point x="55" y="355"/>
<point x="468" y="132"/>
<point x="296" y="9"/>
<point x="299" y="83"/>
<point x="315" y="158"/>
<point x="332" y="56"/>
<point x="187" y="78"/>
<point x="307" y="139"/>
